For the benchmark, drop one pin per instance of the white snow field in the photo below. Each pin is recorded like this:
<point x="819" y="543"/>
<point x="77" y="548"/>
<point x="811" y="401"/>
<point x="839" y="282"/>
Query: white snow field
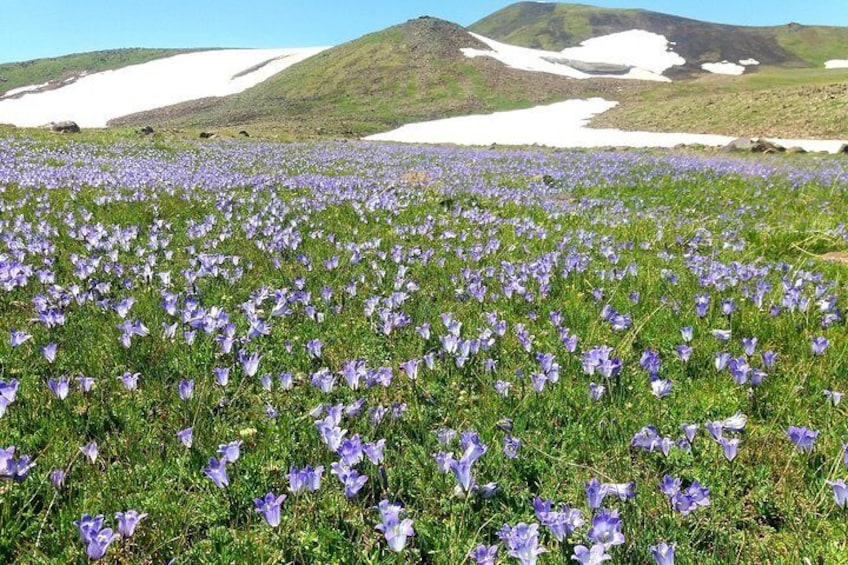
<point x="749" y="62"/>
<point x="724" y="68"/>
<point x="563" y="124"/>
<point x="95" y="99"/>
<point x="836" y="64"/>
<point x="636" y="48"/>
<point x="646" y="53"/>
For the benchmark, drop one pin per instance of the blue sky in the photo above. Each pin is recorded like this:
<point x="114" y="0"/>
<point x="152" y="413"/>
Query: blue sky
<point x="42" y="28"/>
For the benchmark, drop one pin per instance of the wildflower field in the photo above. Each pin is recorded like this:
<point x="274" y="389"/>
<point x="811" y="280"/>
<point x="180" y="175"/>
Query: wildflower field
<point x="248" y="352"/>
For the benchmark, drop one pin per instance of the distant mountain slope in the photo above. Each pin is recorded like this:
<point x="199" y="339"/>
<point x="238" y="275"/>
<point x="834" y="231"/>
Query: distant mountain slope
<point x="554" y="26"/>
<point x="58" y="70"/>
<point x="410" y="72"/>
<point x="94" y="99"/>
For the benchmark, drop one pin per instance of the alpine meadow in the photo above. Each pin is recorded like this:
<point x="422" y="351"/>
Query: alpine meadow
<point x="516" y="293"/>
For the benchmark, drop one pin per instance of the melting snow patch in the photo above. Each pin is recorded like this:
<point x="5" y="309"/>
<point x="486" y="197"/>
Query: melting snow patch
<point x="95" y="99"/>
<point x="836" y="64"/>
<point x="563" y="124"/>
<point x="724" y="68"/>
<point x="557" y="63"/>
<point x="749" y="62"/>
<point x="636" y="48"/>
<point x="23" y="89"/>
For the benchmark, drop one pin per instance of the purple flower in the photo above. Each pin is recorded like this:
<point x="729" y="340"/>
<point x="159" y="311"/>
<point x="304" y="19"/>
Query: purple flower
<point x="127" y="521"/>
<point x="249" y="363"/>
<point x="269" y="507"/>
<point x="462" y="468"/>
<point x="186" y="436"/>
<point x="17" y="337"/>
<point x="49" y="352"/>
<point x="397" y="531"/>
<point x="411" y="368"/>
<point x="90" y="451"/>
<point x="130" y="380"/>
<point x="12" y="469"/>
<point x="350" y="478"/>
<point x="606" y="529"/>
<point x="305" y="479"/>
<point x="88" y="526"/>
<point x="803" y="438"/>
<point x="595" y="556"/>
<point x="222" y="375"/>
<point x="596" y="391"/>
<point x="186" y="389"/>
<point x="99" y="542"/>
<point x="217" y="471"/>
<point x="689" y="430"/>
<point x="819" y="344"/>
<point x="730" y="447"/>
<point x="59" y="387"/>
<point x="663" y="553"/>
<point x="57" y="477"/>
<point x="502" y="388"/>
<point x="749" y="345"/>
<point x="374" y="451"/>
<point x="484" y="555"/>
<point x="661" y="388"/>
<point x="686" y="500"/>
<point x="840" y="492"/>
<point x="230" y="452"/>
<point x="510" y="446"/>
<point x="313" y="348"/>
<point x="522" y="541"/>
<point x="561" y="523"/>
<point x="85" y="383"/>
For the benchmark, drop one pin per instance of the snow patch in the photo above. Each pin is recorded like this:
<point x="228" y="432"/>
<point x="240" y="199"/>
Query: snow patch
<point x="636" y="48"/>
<point x="563" y="124"/>
<point x="22" y="89"/>
<point x="749" y="62"/>
<point x="836" y="64"/>
<point x="552" y="62"/>
<point x="93" y="100"/>
<point x="724" y="68"/>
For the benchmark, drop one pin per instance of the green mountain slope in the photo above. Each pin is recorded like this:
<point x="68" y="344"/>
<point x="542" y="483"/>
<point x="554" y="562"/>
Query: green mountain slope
<point x="410" y="72"/>
<point x="557" y="26"/>
<point x="59" y="69"/>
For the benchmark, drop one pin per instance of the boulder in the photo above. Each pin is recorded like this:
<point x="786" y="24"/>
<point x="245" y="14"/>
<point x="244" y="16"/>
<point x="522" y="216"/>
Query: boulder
<point x="244" y="133"/>
<point x="66" y="126"/>
<point x="742" y="144"/>
<point x="765" y="146"/>
<point x="206" y="135"/>
<point x="796" y="150"/>
<point x="146" y="130"/>
<point x="843" y="150"/>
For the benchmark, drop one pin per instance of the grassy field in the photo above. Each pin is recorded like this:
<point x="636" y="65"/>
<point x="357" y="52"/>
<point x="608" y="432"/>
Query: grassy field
<point x="775" y="102"/>
<point x="455" y="304"/>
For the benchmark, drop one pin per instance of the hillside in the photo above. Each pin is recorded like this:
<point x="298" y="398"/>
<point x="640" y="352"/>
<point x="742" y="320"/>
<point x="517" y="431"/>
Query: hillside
<point x="555" y="27"/>
<point x="772" y="102"/>
<point x="62" y="70"/>
<point x="410" y="72"/>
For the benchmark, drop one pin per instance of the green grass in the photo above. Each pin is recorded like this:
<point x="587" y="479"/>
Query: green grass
<point x="776" y="102"/>
<point x="814" y="44"/>
<point x="545" y="26"/>
<point x="39" y="71"/>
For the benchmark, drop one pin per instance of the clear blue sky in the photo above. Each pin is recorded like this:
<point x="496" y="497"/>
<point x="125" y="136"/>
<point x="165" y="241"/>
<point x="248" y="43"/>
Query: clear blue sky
<point x="43" y="28"/>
